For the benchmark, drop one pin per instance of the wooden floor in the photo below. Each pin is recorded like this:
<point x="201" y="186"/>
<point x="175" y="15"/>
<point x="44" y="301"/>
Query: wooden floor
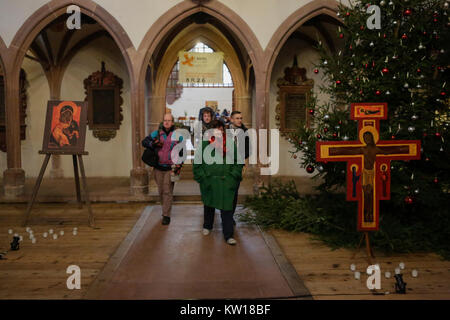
<point x="327" y="274"/>
<point x="38" y="271"/>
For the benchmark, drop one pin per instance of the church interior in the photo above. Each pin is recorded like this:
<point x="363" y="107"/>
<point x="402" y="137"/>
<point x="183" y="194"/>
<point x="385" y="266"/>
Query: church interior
<point x="100" y="209"/>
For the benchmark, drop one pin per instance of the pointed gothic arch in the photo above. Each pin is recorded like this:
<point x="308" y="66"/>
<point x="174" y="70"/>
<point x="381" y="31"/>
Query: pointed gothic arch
<point x="16" y="53"/>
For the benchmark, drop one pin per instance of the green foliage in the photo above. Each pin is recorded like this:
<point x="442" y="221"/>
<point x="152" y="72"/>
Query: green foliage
<point x="405" y="64"/>
<point x="332" y="220"/>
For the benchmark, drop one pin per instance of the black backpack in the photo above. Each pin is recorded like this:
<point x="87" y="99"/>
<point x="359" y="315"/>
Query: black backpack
<point x="150" y="157"/>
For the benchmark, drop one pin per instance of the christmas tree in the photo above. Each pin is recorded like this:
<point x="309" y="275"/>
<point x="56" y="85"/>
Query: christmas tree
<point x="405" y="63"/>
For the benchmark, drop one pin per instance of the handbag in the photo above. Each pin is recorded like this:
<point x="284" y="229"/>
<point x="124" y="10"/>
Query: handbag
<point x="150" y="157"/>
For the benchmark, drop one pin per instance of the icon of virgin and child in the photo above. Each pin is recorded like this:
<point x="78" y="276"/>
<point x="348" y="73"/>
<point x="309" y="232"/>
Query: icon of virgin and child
<point x="65" y="126"/>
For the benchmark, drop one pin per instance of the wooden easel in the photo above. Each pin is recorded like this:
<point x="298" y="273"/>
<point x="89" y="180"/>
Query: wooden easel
<point x="369" y="251"/>
<point x="77" y="184"/>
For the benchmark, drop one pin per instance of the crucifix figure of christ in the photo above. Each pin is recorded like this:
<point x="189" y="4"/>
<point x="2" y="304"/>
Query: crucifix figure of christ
<point x="370" y="159"/>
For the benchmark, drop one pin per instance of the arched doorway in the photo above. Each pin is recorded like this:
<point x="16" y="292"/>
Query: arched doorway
<point x="20" y="47"/>
<point x="186" y="40"/>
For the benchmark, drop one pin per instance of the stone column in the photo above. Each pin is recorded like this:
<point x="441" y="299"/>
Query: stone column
<point x="138" y="174"/>
<point x="14" y="175"/>
<point x="244" y="105"/>
<point x="54" y="77"/>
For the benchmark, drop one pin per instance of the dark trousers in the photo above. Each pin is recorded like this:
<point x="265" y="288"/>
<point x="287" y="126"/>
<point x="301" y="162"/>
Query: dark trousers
<point x="236" y="197"/>
<point x="227" y="221"/>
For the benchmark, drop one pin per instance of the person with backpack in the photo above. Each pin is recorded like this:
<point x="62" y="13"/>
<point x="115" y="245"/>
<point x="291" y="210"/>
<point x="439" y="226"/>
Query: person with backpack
<point x="161" y="142"/>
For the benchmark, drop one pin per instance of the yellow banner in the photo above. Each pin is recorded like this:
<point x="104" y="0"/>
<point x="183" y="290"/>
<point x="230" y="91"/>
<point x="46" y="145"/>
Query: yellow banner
<point x="200" y="67"/>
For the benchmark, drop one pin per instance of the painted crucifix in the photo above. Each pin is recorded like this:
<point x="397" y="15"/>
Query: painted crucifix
<point x="368" y="161"/>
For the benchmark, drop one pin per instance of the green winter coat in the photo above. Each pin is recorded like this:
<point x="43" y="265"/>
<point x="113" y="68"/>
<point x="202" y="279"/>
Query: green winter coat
<point x="218" y="182"/>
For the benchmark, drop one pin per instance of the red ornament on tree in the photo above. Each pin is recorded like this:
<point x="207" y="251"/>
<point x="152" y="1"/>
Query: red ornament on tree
<point x="408" y="200"/>
<point x="418" y="70"/>
<point x="407" y="12"/>
<point x="443" y="93"/>
<point x="338" y="81"/>
<point x="392" y="137"/>
<point x="316" y="70"/>
<point x="425" y="134"/>
<point x="347" y="14"/>
<point x="435" y="180"/>
<point x="310" y="169"/>
<point x="341" y="36"/>
<point x="311" y="111"/>
<point x="318" y="136"/>
<point x="378" y="92"/>
<point x="438" y="134"/>
<point x="404" y="36"/>
<point x="325" y="130"/>
<point x="334" y="134"/>
<point x="385" y="70"/>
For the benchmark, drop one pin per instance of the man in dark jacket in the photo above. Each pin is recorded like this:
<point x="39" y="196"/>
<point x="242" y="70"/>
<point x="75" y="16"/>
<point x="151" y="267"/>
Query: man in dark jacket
<point x="236" y="124"/>
<point x="163" y="141"/>
<point x="218" y="183"/>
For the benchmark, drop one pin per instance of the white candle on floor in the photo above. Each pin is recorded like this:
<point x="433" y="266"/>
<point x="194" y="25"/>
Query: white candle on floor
<point x="397" y="270"/>
<point x="357" y="275"/>
<point x="27" y="229"/>
<point x="414" y="273"/>
<point x="10" y="231"/>
<point x="50" y="231"/>
<point x="33" y="240"/>
<point x="45" y="235"/>
<point x="55" y="236"/>
<point x="352" y="267"/>
<point x="387" y="274"/>
<point x="61" y="232"/>
<point x="74" y="232"/>
<point x="21" y="238"/>
<point x="402" y="265"/>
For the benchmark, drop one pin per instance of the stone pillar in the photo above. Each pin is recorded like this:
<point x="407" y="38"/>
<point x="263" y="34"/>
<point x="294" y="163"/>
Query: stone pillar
<point x="261" y="107"/>
<point x="138" y="174"/>
<point x="54" y="77"/>
<point x="244" y="105"/>
<point x="157" y="106"/>
<point x="14" y="175"/>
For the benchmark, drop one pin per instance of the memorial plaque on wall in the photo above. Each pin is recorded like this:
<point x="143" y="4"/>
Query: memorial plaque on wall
<point x="102" y="102"/>
<point x="292" y="107"/>
<point x="103" y="94"/>
<point x="23" y="106"/>
<point x="294" y="110"/>
<point x="293" y="97"/>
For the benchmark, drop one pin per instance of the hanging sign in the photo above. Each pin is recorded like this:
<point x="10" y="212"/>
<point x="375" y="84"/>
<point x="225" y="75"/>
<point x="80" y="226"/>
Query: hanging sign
<point x="200" y="67"/>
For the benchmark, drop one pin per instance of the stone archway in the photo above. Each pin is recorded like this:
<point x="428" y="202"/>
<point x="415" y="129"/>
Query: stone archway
<point x="185" y="40"/>
<point x="292" y="23"/>
<point x="165" y="25"/>
<point x="14" y="175"/>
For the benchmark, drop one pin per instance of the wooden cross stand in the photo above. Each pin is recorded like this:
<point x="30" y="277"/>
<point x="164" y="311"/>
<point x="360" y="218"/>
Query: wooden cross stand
<point x="77" y="185"/>
<point x="370" y="158"/>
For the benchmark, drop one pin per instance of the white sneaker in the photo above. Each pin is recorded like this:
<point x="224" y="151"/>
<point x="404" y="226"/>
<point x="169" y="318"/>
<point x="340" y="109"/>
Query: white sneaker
<point x="231" y="241"/>
<point x="206" y="232"/>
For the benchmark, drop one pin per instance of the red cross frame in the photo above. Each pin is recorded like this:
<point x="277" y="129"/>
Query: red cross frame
<point x="368" y="164"/>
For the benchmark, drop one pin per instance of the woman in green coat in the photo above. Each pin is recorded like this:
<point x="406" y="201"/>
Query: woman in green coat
<point x="218" y="183"/>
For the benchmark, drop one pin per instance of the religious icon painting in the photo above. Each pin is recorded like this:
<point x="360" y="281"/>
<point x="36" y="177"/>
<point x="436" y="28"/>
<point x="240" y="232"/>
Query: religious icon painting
<point x="65" y="127"/>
